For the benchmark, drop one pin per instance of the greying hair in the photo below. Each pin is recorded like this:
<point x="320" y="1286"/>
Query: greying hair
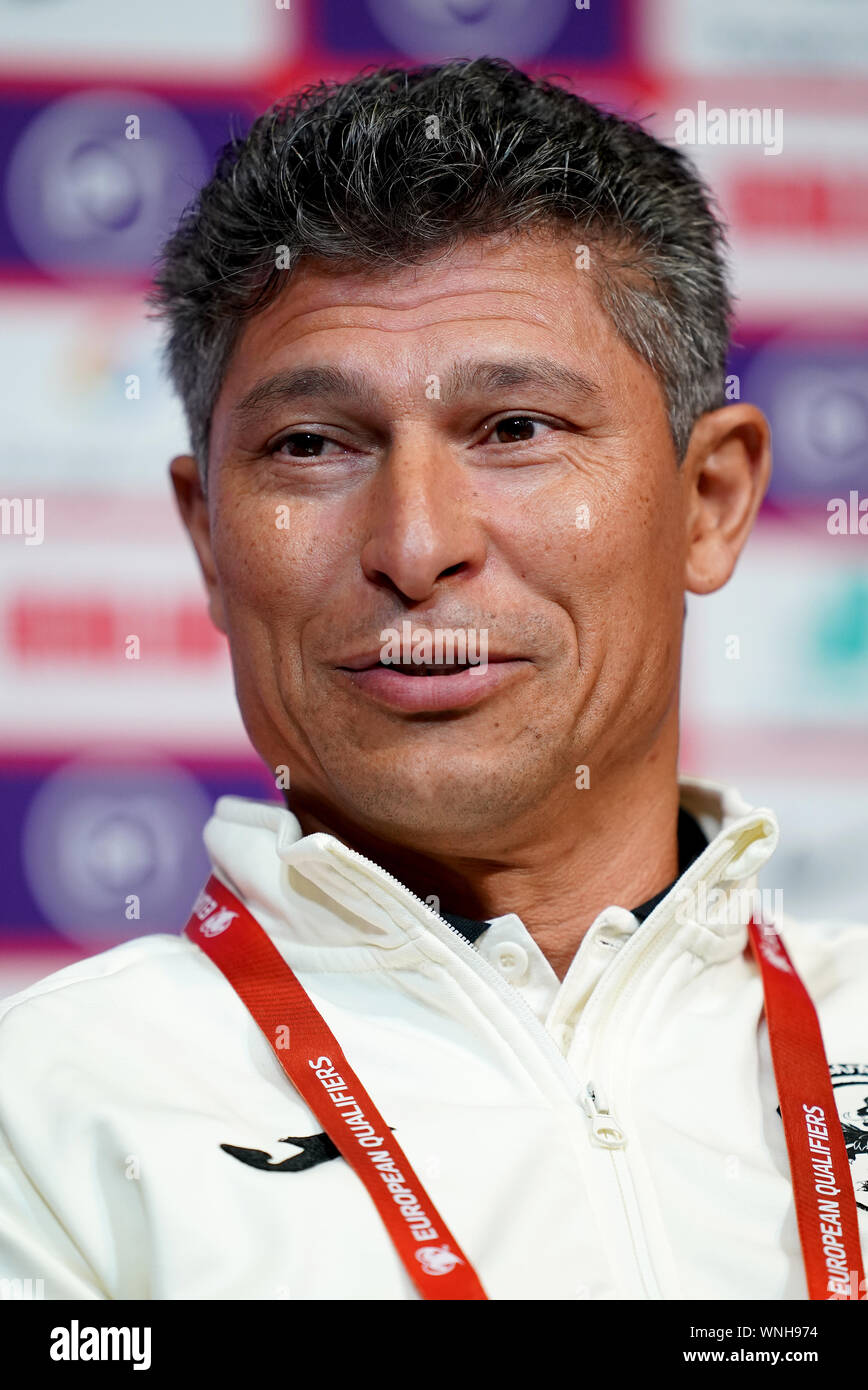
<point x="385" y="169"/>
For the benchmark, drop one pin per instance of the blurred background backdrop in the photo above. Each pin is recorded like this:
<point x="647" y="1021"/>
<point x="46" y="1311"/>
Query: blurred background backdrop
<point x="109" y="766"/>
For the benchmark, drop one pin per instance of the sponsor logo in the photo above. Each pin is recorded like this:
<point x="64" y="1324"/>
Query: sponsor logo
<point x="315" y="1149"/>
<point x="86" y="193"/>
<point x="111" y="844"/>
<point x="850" y="1086"/>
<point x="54" y="626"/>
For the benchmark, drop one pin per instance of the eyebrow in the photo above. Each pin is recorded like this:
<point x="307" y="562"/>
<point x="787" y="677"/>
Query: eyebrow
<point x="302" y="383"/>
<point x="536" y="371"/>
<point x="483" y="376"/>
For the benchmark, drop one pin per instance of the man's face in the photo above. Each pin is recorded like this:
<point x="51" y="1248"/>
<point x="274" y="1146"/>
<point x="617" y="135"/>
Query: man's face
<point x="520" y="503"/>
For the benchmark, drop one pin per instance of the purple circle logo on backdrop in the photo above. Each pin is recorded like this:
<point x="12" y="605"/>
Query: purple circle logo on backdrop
<point x="816" y="397"/>
<point x="98" y="179"/>
<point x="437" y="29"/>
<point x="110" y="836"/>
<point x="838" y="428"/>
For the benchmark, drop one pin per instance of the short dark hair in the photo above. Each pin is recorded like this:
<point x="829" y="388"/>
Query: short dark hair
<point x="397" y="163"/>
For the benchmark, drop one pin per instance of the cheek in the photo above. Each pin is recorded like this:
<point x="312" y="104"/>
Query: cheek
<point x="271" y="561"/>
<point x="642" y="571"/>
<point x="284" y="570"/>
<point x="599" y="527"/>
<point x="608" y="551"/>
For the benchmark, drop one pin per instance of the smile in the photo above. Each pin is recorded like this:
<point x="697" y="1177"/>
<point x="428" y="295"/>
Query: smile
<point x="458" y="685"/>
<point x="431" y="668"/>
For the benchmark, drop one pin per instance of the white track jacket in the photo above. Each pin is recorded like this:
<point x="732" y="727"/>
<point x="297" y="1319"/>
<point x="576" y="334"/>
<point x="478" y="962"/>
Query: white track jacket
<point x="123" y="1077"/>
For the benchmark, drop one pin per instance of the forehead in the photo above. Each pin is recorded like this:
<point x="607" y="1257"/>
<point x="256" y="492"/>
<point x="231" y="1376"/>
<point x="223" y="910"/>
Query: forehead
<point x="493" y="294"/>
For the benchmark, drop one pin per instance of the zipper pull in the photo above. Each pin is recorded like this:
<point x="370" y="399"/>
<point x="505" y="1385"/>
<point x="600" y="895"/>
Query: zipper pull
<point x="605" y="1129"/>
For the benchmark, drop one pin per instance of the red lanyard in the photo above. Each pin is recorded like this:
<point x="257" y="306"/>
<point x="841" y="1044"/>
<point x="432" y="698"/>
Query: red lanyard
<point x="313" y="1060"/>
<point x="822" y="1186"/>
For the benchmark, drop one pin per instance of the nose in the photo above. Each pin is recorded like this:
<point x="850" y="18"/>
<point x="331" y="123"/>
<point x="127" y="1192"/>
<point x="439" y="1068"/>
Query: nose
<point x="423" y="526"/>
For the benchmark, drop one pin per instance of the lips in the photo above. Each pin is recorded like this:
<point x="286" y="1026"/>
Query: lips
<point x="458" y="685"/>
<point x="369" y="660"/>
<point x="442" y="668"/>
<point x="445" y="669"/>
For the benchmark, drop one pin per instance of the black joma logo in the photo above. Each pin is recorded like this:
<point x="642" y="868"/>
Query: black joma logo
<point x="315" y="1148"/>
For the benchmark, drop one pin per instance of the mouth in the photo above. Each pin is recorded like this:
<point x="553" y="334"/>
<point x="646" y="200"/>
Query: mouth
<point x="447" y="685"/>
<point x="415" y="668"/>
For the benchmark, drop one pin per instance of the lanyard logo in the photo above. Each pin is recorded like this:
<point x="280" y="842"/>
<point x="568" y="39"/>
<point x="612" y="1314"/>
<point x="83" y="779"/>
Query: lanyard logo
<point x="769" y="943"/>
<point x="217" y="922"/>
<point x="212" y="918"/>
<point x="438" y="1259"/>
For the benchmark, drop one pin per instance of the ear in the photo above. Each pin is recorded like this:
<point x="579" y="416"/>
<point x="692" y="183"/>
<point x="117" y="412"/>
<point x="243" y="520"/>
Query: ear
<point x="726" y="473"/>
<point x="193" y="506"/>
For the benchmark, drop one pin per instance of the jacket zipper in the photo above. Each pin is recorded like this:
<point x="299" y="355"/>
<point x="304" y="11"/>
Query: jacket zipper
<point x="481" y="966"/>
<point x="609" y="1134"/>
<point x="602" y="1123"/>
<point x="605" y="1130"/>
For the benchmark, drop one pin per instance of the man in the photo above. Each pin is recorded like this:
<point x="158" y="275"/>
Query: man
<point x="451" y="343"/>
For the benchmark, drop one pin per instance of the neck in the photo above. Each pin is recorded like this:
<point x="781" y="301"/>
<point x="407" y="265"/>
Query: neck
<point x="574" y="856"/>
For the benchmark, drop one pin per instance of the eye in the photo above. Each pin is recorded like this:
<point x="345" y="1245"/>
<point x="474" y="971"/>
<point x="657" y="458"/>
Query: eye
<point x="301" y="445"/>
<point x="513" y="429"/>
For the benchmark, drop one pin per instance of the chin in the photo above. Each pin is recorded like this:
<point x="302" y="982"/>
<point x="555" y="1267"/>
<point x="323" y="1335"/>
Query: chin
<point x="434" y="806"/>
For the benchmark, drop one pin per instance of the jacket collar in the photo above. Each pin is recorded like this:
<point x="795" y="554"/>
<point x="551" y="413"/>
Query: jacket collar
<point x="315" y="891"/>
